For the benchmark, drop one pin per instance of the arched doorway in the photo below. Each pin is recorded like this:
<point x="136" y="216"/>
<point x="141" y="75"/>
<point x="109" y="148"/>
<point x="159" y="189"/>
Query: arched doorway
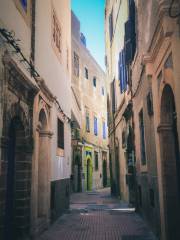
<point x="170" y="162"/>
<point x="17" y="206"/>
<point x="131" y="166"/>
<point x="43" y="170"/>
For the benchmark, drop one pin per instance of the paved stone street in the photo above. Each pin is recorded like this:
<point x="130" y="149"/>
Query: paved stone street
<point x="97" y="216"/>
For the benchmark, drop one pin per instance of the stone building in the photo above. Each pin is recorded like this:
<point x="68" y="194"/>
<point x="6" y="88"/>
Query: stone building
<point x="155" y="87"/>
<point x="35" y="135"/>
<point x="89" y="101"/>
<point x="117" y="16"/>
<point x="152" y="48"/>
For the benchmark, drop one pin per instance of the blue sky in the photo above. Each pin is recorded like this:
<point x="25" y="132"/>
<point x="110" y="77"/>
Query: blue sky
<point x="91" y="15"/>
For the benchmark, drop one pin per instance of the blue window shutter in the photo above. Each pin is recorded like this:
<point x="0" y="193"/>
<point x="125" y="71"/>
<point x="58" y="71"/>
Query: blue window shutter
<point x="121" y="72"/>
<point x="24" y="4"/>
<point x="124" y="70"/>
<point x="104" y="130"/>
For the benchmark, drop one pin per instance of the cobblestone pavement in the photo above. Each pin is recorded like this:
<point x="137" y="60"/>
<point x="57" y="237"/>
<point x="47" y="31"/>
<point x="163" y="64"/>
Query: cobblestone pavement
<point x="97" y="216"/>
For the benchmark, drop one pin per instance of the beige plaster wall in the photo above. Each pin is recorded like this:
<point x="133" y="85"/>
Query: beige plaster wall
<point x="113" y="48"/>
<point x="12" y="19"/>
<point x="90" y="98"/>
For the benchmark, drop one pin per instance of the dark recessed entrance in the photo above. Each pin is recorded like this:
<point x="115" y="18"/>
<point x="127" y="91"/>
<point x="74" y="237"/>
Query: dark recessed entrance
<point x="17" y="205"/>
<point x="170" y="162"/>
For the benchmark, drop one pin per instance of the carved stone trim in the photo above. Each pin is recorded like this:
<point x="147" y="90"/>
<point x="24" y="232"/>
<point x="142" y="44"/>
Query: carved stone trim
<point x="48" y="134"/>
<point x="18" y="74"/>
<point x="44" y="88"/>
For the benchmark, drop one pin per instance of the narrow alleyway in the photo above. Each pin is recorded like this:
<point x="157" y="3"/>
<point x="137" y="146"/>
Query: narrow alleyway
<point x="98" y="216"/>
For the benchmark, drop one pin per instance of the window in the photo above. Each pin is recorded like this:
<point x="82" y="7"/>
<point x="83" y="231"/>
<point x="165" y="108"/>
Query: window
<point x="151" y="197"/>
<point x="60" y="137"/>
<point x="142" y="138"/>
<point x="96" y="163"/>
<point x="102" y="91"/>
<point x="113" y="96"/>
<point x="26" y="9"/>
<point x="56" y="32"/>
<point x="86" y="73"/>
<point x="94" y="81"/>
<point x="87" y="122"/>
<point x="122" y="71"/>
<point x="24" y="4"/>
<point x="67" y="58"/>
<point x="83" y="39"/>
<point x="150" y="104"/>
<point x="111" y="25"/>
<point x="76" y="64"/>
<point x="104" y="130"/>
<point x="169" y="62"/>
<point x="106" y="61"/>
<point x="95" y="126"/>
<point x="130" y="34"/>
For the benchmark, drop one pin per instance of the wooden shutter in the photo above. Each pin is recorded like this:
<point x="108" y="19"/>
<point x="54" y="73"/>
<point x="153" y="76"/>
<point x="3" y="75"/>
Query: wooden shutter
<point x="130" y="34"/>
<point x="113" y="97"/>
<point x="128" y="42"/>
<point x="122" y="71"/>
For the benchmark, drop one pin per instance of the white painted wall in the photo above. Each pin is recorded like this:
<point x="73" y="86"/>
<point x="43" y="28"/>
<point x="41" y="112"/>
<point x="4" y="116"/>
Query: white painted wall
<point x="11" y="19"/>
<point x="55" y="73"/>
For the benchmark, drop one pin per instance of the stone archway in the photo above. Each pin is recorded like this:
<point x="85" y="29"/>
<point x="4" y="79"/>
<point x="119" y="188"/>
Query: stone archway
<point x="18" y="181"/>
<point x="43" y="208"/>
<point x="170" y="163"/>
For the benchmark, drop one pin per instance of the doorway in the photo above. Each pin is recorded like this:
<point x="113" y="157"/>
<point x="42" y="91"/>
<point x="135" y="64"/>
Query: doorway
<point x="18" y="180"/>
<point x="104" y="173"/>
<point x="88" y="175"/>
<point x="43" y="178"/>
<point x="77" y="174"/>
<point x="170" y="162"/>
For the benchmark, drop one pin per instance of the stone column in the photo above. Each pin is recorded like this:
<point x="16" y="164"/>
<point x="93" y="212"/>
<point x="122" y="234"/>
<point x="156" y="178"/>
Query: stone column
<point x="44" y="171"/>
